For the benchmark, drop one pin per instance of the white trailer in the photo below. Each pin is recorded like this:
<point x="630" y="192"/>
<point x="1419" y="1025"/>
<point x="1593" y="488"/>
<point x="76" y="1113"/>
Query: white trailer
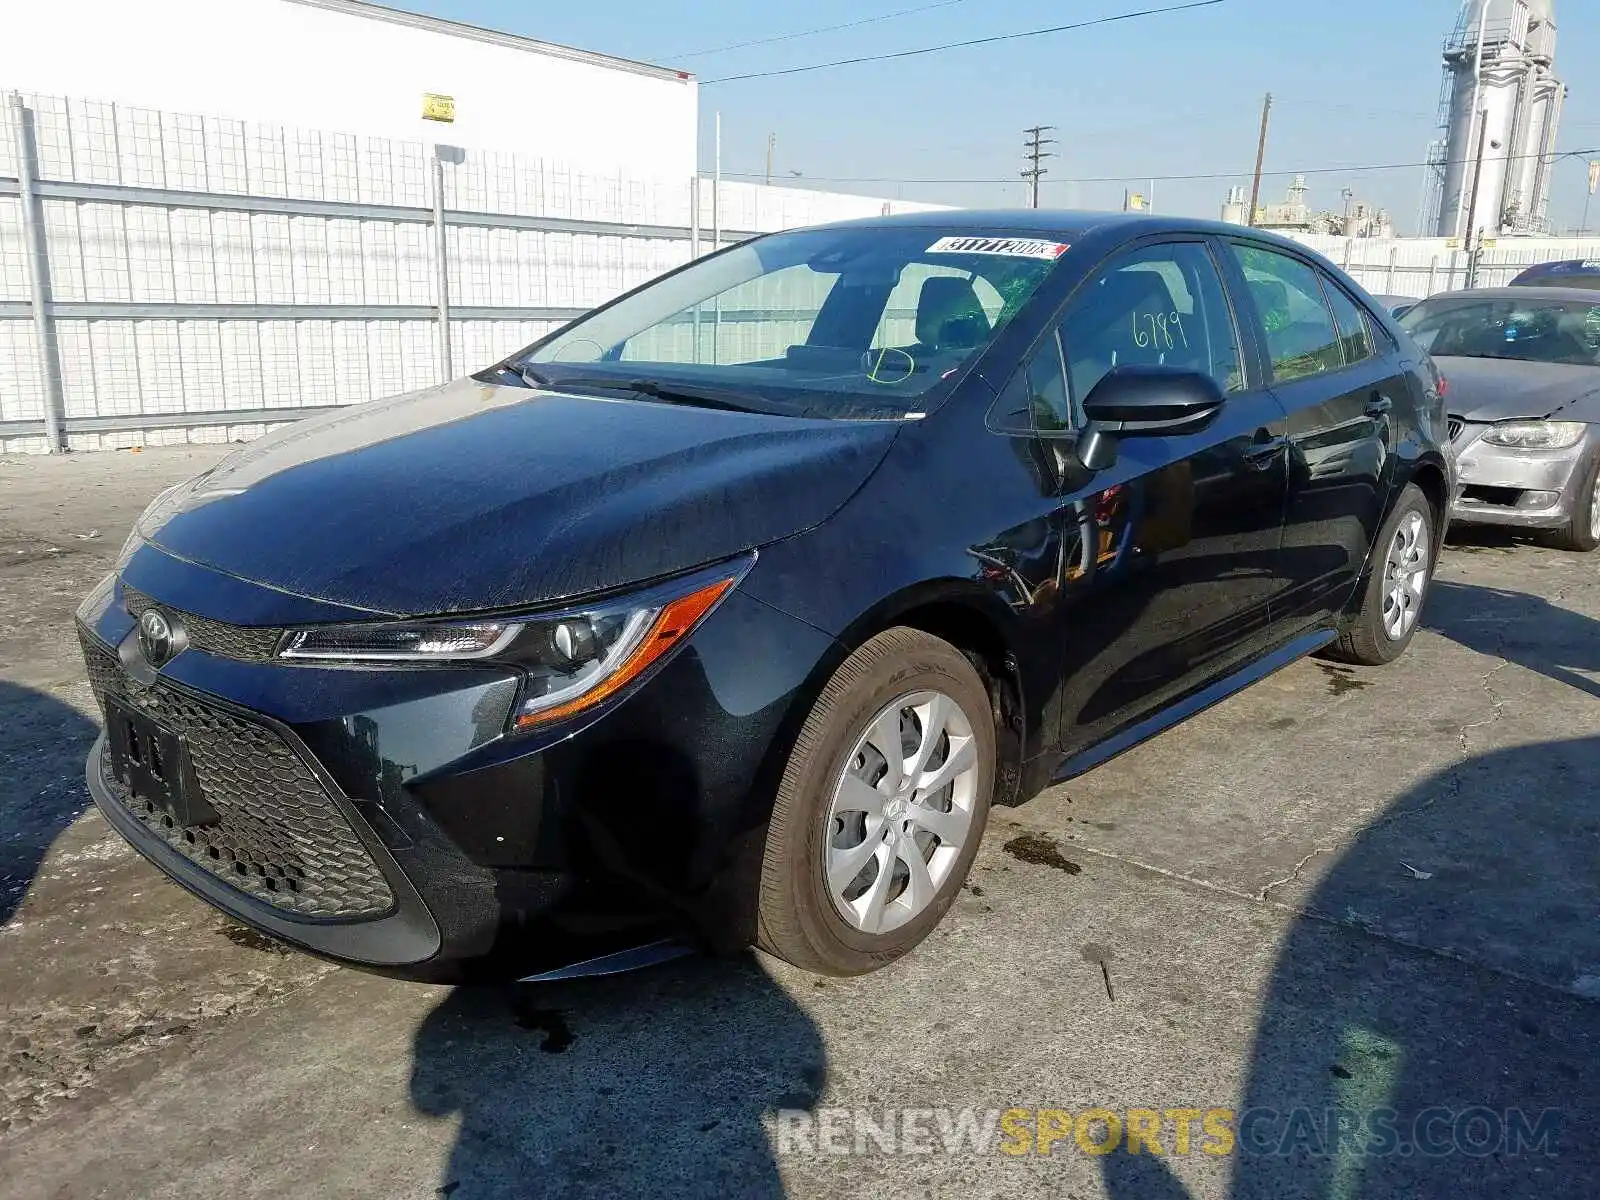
<point x="357" y="67"/>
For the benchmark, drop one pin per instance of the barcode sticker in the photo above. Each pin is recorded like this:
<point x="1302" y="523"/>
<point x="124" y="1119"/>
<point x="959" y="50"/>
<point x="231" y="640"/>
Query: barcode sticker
<point x="1006" y="247"/>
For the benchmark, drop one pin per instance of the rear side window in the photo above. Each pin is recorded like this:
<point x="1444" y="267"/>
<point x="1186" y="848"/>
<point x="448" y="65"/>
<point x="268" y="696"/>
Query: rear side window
<point x="1295" y="321"/>
<point x="1354" y="339"/>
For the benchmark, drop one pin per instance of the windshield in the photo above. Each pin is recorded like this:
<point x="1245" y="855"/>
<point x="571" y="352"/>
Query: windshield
<point x="833" y="322"/>
<point x="1533" y="330"/>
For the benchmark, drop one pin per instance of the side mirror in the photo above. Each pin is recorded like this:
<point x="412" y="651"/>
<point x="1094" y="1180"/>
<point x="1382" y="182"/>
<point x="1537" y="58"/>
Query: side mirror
<point x="1145" y="402"/>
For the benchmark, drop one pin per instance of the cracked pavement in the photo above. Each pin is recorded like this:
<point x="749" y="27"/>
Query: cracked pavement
<point x="1343" y="886"/>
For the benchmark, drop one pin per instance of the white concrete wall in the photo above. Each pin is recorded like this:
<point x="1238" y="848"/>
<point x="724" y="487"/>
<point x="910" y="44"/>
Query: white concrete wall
<point x="297" y="64"/>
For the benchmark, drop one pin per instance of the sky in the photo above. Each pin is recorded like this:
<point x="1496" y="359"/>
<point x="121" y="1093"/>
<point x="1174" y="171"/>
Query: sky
<point x="1170" y="95"/>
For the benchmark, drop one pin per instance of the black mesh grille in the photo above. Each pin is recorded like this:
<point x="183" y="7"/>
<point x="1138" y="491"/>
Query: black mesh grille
<point x="241" y="642"/>
<point x="280" y="837"/>
<point x="1455" y="425"/>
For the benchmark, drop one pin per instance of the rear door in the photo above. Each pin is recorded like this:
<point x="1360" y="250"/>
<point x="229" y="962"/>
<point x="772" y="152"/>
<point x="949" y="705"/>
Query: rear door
<point x="1338" y="389"/>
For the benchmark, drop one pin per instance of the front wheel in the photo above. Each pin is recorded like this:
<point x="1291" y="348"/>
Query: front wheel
<point x="881" y="806"/>
<point x="1391" y="600"/>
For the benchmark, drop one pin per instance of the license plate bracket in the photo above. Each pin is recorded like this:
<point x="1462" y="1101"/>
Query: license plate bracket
<point x="153" y="763"/>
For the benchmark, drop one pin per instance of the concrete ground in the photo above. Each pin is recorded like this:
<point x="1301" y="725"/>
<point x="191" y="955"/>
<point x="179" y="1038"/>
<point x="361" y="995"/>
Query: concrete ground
<point x="1343" y="889"/>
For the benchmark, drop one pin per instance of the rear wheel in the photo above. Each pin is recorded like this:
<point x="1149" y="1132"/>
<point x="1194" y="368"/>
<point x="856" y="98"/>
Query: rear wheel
<point x="1582" y="533"/>
<point x="1391" y="601"/>
<point x="881" y="806"/>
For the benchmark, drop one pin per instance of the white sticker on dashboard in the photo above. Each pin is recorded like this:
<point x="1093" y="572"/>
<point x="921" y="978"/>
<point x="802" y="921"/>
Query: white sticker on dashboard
<point x="1007" y="247"/>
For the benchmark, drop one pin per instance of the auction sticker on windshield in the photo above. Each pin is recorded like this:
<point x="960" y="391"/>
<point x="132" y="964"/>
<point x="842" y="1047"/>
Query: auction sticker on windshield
<point x="1008" y="247"/>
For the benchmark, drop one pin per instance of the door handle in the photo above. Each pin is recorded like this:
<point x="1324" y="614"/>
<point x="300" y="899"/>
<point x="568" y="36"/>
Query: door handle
<point x="1379" y="406"/>
<point x="1261" y="454"/>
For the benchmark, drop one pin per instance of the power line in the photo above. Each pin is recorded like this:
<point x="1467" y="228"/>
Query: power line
<point x="1201" y="177"/>
<point x="983" y="41"/>
<point x="805" y="33"/>
<point x="1360" y="110"/>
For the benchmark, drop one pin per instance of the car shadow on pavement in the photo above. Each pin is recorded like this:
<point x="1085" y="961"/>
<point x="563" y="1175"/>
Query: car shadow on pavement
<point x="43" y="744"/>
<point x="1432" y="1024"/>
<point x="1527" y="630"/>
<point x="651" y="1084"/>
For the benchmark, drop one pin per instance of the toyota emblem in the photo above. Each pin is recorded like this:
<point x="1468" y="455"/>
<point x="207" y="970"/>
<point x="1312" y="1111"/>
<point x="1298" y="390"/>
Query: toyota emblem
<point x="155" y="637"/>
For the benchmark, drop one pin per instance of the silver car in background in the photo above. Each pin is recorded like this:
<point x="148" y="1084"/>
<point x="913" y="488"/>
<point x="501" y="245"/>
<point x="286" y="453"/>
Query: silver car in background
<point x="1398" y="306"/>
<point x="1523" y="397"/>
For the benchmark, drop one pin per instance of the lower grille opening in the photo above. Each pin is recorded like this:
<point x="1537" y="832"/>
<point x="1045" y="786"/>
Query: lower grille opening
<point x="1500" y="497"/>
<point x="278" y="835"/>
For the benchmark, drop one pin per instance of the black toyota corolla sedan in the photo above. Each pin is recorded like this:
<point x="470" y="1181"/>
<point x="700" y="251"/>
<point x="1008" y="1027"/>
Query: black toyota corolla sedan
<point x="726" y="611"/>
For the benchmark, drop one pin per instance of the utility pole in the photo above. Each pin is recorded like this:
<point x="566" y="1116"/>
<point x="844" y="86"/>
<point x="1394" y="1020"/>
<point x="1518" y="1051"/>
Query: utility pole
<point x="1474" y="243"/>
<point x="1594" y="182"/>
<point x="1035" y="153"/>
<point x="1261" y="158"/>
<point x="716" y="236"/>
<point x="772" y="140"/>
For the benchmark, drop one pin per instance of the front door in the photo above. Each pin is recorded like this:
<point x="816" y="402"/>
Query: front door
<point x="1338" y="389"/>
<point x="1173" y="552"/>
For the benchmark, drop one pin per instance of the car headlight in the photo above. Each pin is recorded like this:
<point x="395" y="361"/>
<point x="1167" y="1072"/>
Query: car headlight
<point x="1536" y="435"/>
<point x="571" y="660"/>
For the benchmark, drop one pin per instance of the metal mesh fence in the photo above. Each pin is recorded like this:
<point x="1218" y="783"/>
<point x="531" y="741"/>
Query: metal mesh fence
<point x="207" y="278"/>
<point x="199" y="267"/>
<point x="1422" y="266"/>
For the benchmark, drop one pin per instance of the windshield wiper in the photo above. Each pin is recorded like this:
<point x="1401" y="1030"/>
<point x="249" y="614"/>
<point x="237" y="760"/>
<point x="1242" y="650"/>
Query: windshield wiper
<point x="727" y="399"/>
<point x="519" y="376"/>
<point x="671" y="393"/>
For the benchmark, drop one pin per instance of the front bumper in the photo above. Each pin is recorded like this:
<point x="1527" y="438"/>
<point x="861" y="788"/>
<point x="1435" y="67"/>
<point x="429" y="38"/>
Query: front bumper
<point x="384" y="818"/>
<point x="1526" y="489"/>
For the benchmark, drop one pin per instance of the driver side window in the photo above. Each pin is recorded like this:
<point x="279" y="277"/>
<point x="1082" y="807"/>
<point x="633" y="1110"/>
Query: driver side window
<point x="1161" y="305"/>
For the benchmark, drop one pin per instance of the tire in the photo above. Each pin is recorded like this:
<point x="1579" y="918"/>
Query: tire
<point x="1369" y="638"/>
<point x="801" y="917"/>
<point x="1582" y="533"/>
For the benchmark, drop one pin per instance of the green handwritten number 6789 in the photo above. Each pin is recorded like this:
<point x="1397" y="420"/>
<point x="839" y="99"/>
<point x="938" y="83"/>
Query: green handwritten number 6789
<point x="1162" y="327"/>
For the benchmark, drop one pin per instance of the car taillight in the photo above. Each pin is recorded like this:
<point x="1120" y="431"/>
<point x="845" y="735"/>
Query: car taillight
<point x="1444" y="387"/>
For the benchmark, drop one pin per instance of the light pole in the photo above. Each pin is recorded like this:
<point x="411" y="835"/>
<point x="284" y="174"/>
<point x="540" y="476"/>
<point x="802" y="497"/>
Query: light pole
<point x="1475" y="243"/>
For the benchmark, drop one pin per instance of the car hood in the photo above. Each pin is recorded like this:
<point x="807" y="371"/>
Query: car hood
<point x="1498" y="389"/>
<point x="473" y="496"/>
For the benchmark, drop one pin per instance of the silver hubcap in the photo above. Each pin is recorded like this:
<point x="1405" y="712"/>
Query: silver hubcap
<point x="901" y="812"/>
<point x="1405" y="576"/>
<point x="1594" y="511"/>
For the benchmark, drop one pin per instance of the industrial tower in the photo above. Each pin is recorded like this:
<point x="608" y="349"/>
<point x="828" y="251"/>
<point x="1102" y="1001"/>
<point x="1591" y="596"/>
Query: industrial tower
<point x="1500" y="83"/>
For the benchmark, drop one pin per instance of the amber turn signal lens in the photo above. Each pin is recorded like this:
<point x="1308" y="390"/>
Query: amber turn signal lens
<point x="666" y="631"/>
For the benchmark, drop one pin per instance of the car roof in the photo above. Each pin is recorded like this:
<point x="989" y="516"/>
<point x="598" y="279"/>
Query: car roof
<point x="1065" y="224"/>
<point x="1523" y="292"/>
<point x="1566" y="266"/>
